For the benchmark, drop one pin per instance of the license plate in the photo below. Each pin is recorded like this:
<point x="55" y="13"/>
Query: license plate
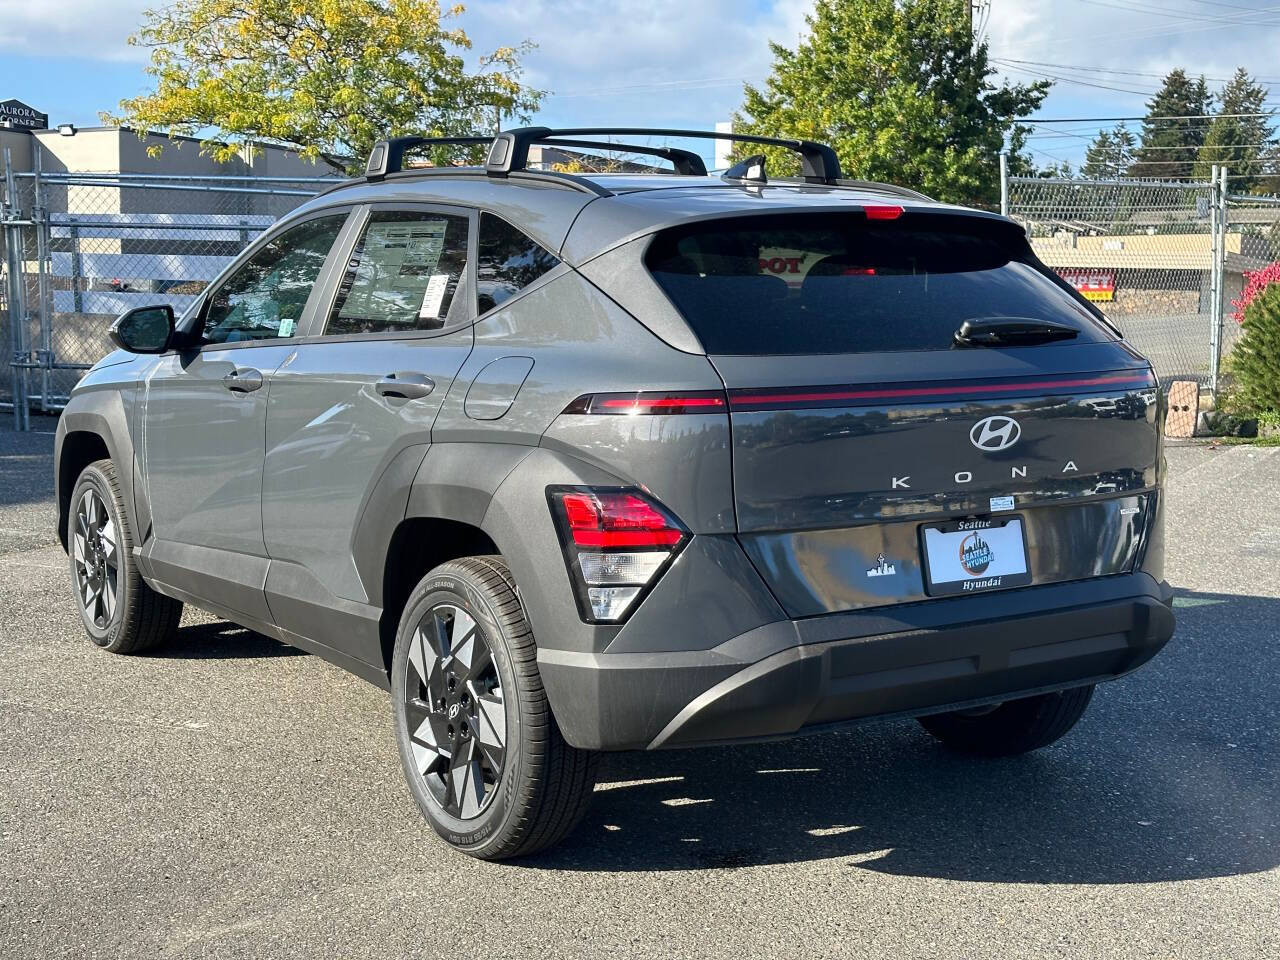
<point x="967" y="556"/>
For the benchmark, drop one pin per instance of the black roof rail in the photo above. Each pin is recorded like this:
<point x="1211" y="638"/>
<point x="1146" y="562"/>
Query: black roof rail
<point x="685" y="162"/>
<point x="510" y="150"/>
<point x="387" y="156"/>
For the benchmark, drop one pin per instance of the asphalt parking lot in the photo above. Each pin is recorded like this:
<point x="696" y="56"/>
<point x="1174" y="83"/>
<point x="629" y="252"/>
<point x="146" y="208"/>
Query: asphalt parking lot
<point x="231" y="797"/>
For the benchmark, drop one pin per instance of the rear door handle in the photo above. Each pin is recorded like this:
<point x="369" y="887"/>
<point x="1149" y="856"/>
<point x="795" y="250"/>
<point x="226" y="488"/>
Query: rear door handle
<point x="245" y="380"/>
<point x="407" y="386"/>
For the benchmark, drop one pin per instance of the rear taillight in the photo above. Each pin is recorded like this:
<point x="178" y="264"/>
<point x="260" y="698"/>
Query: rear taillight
<point x="616" y="541"/>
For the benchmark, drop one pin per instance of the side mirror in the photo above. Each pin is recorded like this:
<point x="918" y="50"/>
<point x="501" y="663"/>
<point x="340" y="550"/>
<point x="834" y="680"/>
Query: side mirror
<point x="143" y="329"/>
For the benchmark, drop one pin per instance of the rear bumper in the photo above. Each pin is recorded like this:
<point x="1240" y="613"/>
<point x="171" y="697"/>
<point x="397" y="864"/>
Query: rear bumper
<point x="796" y="675"/>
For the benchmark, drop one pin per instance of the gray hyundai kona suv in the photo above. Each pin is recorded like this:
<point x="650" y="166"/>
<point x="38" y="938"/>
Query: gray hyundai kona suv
<point x="658" y="458"/>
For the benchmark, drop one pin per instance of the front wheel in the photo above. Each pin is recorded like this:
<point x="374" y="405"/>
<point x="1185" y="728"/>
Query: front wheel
<point x="482" y="753"/>
<point x="1017" y="726"/>
<point x="120" y="612"/>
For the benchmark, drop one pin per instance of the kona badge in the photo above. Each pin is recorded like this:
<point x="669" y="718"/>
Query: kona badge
<point x="992" y="434"/>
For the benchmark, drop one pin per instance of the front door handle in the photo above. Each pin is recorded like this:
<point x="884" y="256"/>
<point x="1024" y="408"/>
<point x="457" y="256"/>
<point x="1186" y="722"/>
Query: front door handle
<point x="407" y="386"/>
<point x="244" y="380"/>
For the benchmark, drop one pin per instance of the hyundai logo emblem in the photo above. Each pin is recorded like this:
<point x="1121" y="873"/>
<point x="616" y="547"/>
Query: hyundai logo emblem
<point x="992" y="434"/>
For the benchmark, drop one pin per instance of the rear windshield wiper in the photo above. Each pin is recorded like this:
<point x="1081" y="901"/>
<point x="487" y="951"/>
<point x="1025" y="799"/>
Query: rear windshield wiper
<point x="1011" y="332"/>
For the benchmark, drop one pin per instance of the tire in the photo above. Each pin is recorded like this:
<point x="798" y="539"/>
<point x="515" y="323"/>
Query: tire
<point x="1018" y="726"/>
<point x="120" y="612"/>
<point x="488" y="794"/>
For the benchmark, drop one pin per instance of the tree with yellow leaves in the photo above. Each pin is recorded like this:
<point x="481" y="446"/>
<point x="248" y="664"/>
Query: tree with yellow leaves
<point x="328" y="77"/>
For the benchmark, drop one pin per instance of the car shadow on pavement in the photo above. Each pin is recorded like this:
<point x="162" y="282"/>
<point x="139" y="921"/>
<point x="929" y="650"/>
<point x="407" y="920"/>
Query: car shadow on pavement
<point x="1172" y="774"/>
<point x="221" y="640"/>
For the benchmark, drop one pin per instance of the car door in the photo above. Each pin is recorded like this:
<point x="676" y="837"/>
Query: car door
<point x="350" y="413"/>
<point x="204" y="420"/>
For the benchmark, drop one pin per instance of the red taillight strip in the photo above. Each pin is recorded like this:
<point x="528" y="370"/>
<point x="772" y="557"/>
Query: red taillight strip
<point x="743" y="400"/>
<point x="655" y="403"/>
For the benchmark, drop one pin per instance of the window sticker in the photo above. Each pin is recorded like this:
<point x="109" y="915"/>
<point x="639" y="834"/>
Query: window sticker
<point x="433" y="296"/>
<point x="286" y="327"/>
<point x="397" y="265"/>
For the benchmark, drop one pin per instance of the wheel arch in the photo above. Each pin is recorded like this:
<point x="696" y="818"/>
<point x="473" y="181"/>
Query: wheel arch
<point x="93" y="427"/>
<point x="417" y="546"/>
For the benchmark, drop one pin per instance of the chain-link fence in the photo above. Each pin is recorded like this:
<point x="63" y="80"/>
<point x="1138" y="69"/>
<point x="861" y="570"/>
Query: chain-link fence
<point x="1156" y="257"/>
<point x="1163" y="260"/>
<point x="80" y="249"/>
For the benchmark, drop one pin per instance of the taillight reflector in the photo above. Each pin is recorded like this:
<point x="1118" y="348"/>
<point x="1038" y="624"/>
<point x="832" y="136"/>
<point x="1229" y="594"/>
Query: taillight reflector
<point x="616" y="542"/>
<point x="616" y="520"/>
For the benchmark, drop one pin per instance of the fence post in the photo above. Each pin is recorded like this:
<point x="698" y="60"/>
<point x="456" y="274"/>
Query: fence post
<point x="1218" y="292"/>
<point x="1004" y="183"/>
<point x="17" y="298"/>
<point x="1215" y="276"/>
<point x="40" y="221"/>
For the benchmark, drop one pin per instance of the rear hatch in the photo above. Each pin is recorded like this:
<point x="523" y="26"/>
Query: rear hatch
<point x="876" y="459"/>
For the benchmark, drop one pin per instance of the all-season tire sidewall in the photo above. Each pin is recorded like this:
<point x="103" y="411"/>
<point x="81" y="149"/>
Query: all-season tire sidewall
<point x="471" y="836"/>
<point x="93" y="478"/>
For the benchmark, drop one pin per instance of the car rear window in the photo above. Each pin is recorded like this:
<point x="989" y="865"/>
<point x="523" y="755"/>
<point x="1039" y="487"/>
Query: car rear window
<point x="840" y="283"/>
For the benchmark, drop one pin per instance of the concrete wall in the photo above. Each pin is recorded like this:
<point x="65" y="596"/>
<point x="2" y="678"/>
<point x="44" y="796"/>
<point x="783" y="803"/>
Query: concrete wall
<point x="19" y="144"/>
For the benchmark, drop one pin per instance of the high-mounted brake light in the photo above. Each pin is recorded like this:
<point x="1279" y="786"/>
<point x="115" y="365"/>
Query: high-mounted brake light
<point x="875" y="212"/>
<point x="616" y="542"/>
<point x="650" y="403"/>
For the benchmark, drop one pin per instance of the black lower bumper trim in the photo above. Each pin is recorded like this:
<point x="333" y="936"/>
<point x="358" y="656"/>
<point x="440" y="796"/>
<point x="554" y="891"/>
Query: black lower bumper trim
<point x="682" y="700"/>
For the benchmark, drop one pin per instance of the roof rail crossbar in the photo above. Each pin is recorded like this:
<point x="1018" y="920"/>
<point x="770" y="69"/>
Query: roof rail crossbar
<point x="685" y="162"/>
<point x="387" y="156"/>
<point x="510" y="150"/>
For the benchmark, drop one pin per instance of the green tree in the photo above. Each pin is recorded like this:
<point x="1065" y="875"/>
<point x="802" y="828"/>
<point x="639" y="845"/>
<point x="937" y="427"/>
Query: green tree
<point x="1241" y="135"/>
<point x="329" y="77"/>
<point x="901" y="92"/>
<point x="1169" y="138"/>
<point x="1110" y="154"/>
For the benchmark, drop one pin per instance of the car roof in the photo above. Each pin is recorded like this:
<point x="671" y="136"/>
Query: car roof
<point x="580" y="217"/>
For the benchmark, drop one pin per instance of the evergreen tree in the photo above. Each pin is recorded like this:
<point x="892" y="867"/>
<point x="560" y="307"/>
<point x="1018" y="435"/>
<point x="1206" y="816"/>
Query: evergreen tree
<point x="1241" y="135"/>
<point x="1255" y="359"/>
<point x="901" y="92"/>
<point x="1169" y="145"/>
<point x="1110" y="155"/>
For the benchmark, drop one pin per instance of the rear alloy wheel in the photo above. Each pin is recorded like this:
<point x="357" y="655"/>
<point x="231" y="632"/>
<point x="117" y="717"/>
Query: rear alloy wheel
<point x="481" y="751"/>
<point x="455" y="711"/>
<point x="120" y="612"/>
<point x="1013" y="727"/>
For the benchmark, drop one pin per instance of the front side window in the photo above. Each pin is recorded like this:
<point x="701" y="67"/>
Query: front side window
<point x="509" y="262"/>
<point x="264" y="299"/>
<point x="407" y="272"/>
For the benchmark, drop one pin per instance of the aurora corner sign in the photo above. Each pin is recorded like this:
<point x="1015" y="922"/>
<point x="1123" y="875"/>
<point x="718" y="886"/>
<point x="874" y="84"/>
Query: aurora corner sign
<point x="16" y="115"/>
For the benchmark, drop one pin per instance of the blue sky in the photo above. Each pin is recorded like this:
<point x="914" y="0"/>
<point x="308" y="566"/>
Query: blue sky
<point x="682" y="63"/>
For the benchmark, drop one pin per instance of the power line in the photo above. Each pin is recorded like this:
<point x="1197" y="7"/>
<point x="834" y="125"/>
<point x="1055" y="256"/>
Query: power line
<point x="1081" y="68"/>
<point x="1195" y="116"/>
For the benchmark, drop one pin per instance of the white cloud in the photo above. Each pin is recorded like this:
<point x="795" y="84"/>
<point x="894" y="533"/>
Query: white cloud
<point x="91" y="29"/>
<point x="684" y="62"/>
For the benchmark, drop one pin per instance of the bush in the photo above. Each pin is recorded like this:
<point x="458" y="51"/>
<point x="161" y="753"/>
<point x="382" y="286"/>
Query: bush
<point x="1255" y="360"/>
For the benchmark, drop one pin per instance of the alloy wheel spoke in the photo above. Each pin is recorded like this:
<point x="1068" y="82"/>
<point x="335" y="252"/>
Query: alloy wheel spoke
<point x="108" y="537"/>
<point x="108" y="594"/>
<point x="466" y="781"/>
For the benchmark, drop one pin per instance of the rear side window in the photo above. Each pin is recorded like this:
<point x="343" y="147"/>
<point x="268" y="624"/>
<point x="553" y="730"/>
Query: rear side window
<point x="404" y="274"/>
<point x="509" y="261"/>
<point x="839" y="283"/>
